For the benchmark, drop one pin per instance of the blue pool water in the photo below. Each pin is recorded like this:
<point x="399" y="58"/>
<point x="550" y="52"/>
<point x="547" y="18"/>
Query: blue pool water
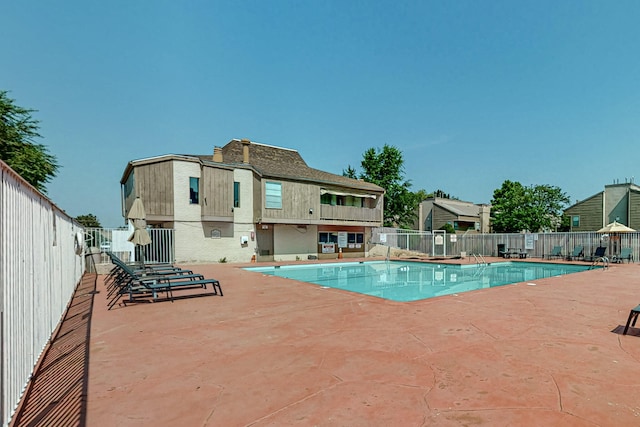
<point x="411" y="281"/>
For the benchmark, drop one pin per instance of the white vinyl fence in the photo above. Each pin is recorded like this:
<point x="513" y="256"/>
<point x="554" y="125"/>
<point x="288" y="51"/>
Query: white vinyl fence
<point x="536" y="245"/>
<point x="41" y="263"/>
<point x="116" y="240"/>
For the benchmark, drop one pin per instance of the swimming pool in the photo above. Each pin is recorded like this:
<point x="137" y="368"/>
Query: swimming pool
<point x="411" y="281"/>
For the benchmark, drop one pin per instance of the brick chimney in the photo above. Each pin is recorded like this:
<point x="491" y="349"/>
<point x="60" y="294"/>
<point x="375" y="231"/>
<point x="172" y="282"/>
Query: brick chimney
<point x="245" y="150"/>
<point x="217" y="154"/>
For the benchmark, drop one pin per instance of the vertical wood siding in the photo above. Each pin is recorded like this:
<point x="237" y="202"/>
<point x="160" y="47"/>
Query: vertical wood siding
<point x="297" y="198"/>
<point x="634" y="210"/>
<point x="301" y="201"/>
<point x="154" y="185"/>
<point x="216" y="192"/>
<point x="257" y="197"/>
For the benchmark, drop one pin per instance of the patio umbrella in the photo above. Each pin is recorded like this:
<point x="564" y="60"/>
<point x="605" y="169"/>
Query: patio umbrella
<point x="616" y="227"/>
<point x="140" y="236"/>
<point x="137" y="210"/>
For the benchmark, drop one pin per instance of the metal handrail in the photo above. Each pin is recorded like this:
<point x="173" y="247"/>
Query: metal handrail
<point x="605" y="262"/>
<point x="478" y="262"/>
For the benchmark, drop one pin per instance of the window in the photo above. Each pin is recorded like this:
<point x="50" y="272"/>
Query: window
<point x="337" y="200"/>
<point x="355" y="201"/>
<point x="236" y="194"/>
<point x="194" y="184"/>
<point x="129" y="185"/>
<point x="575" y="221"/>
<point x="328" y="237"/>
<point x="355" y="238"/>
<point x="273" y="195"/>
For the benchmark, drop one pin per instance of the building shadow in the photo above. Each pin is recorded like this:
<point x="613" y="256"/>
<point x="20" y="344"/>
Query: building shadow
<point x="57" y="391"/>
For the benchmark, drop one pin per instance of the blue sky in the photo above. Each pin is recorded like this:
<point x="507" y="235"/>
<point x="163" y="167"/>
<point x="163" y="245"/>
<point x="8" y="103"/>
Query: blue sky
<point x="472" y="92"/>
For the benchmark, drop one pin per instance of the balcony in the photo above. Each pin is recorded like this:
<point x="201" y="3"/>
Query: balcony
<point x="350" y="213"/>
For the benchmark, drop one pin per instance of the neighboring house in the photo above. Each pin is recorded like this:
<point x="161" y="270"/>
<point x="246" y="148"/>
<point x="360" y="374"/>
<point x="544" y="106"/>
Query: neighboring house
<point x="253" y="199"/>
<point x="434" y="213"/>
<point x="618" y="202"/>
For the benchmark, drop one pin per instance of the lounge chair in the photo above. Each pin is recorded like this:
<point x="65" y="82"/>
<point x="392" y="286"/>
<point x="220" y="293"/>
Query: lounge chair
<point x="625" y="253"/>
<point x="143" y="267"/>
<point x="124" y="277"/>
<point x="599" y="253"/>
<point x="122" y="273"/>
<point x="556" y="252"/>
<point x="127" y="281"/>
<point x="136" y="285"/>
<point x="632" y="315"/>
<point x="578" y="252"/>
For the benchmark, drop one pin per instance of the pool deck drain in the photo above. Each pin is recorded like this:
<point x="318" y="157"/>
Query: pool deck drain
<point x="276" y="352"/>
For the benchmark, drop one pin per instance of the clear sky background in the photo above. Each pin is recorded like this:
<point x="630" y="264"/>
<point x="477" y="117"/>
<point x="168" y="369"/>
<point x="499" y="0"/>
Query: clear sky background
<point x="472" y="92"/>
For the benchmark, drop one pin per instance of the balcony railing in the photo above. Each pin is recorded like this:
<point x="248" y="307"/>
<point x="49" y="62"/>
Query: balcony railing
<point x="350" y="213"/>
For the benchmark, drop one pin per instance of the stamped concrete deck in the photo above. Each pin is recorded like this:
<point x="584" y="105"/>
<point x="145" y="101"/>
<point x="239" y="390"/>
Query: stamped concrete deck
<point x="275" y="352"/>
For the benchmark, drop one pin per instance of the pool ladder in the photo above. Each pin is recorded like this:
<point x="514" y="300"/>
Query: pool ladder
<point x="480" y="263"/>
<point x="605" y="262"/>
<point x="479" y="259"/>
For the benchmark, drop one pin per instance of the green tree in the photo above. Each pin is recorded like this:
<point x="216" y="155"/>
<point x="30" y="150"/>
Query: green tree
<point x="448" y="228"/>
<point x="89" y="221"/>
<point x="349" y="172"/>
<point x="508" y="208"/>
<point x="548" y="205"/>
<point x="386" y="168"/>
<point x="565" y="224"/>
<point x="422" y="195"/>
<point x="516" y="208"/>
<point x="18" y="132"/>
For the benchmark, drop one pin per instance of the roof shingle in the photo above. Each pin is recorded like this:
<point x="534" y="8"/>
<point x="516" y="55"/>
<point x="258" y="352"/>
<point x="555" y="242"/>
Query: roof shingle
<point x="284" y="163"/>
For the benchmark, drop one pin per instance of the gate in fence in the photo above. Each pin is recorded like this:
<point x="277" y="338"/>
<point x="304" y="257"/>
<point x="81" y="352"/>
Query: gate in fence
<point x="116" y="240"/>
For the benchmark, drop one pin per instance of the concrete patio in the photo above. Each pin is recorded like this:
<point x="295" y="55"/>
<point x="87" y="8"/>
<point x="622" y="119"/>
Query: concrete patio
<point x="276" y="352"/>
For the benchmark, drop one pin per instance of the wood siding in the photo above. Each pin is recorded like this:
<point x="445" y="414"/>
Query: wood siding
<point x="154" y="185"/>
<point x="257" y="196"/>
<point x="216" y="192"/>
<point x="297" y="199"/>
<point x="350" y="213"/>
<point x="634" y="210"/>
<point x="301" y="204"/>
<point x="441" y="217"/>
<point x="590" y="212"/>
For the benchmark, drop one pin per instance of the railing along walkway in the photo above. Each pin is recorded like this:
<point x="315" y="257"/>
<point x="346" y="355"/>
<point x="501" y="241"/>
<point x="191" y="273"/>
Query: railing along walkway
<point x="57" y="391"/>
